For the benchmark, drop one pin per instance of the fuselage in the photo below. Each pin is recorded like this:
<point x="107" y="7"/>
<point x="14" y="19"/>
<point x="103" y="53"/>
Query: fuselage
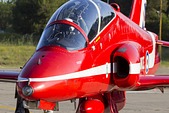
<point x="57" y="73"/>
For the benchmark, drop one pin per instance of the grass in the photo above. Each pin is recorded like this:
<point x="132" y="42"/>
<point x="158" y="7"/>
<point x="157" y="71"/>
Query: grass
<point x="13" y="56"/>
<point x="165" y="57"/>
<point x="165" y="63"/>
<point x="15" y="50"/>
<point x="17" y="39"/>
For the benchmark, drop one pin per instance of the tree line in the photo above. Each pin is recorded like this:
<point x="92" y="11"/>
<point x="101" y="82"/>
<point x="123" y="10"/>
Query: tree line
<point x="26" y="16"/>
<point x="31" y="16"/>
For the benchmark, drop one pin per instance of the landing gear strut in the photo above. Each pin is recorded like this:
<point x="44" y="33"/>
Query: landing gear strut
<point x="112" y="104"/>
<point x="19" y="106"/>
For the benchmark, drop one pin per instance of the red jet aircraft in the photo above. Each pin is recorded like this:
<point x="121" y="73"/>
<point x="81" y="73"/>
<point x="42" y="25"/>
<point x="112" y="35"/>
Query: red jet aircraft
<point x="91" y="51"/>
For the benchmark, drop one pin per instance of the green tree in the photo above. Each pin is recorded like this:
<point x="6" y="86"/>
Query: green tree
<point x="165" y="28"/>
<point x="31" y="16"/>
<point x="153" y="17"/>
<point x="5" y="15"/>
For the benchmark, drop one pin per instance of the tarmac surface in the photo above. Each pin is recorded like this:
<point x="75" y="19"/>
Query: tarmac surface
<point x="152" y="101"/>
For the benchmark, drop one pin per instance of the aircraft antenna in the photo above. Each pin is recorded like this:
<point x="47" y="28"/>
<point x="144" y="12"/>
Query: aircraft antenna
<point x="39" y="61"/>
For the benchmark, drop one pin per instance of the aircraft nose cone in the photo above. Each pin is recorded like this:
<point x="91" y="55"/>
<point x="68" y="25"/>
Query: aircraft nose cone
<point x="51" y="62"/>
<point x="42" y="76"/>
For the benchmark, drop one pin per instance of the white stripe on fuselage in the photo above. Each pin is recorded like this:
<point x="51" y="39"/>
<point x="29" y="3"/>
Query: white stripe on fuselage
<point x="99" y="70"/>
<point x="135" y="68"/>
<point x="152" y="54"/>
<point x="103" y="70"/>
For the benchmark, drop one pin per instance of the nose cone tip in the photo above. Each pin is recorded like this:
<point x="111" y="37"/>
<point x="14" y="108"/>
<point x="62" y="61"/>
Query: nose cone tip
<point x="27" y="91"/>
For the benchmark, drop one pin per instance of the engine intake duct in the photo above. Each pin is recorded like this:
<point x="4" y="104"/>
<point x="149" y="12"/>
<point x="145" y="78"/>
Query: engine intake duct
<point x="127" y="61"/>
<point x="122" y="67"/>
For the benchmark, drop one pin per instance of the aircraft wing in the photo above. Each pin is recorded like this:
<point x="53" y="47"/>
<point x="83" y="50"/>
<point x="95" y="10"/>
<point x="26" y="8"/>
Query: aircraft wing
<point x="163" y="43"/>
<point x="8" y="76"/>
<point x="152" y="81"/>
<point x="146" y="82"/>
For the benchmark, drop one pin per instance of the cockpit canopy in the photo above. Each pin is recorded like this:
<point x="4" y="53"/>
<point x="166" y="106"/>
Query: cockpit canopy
<point x="91" y="16"/>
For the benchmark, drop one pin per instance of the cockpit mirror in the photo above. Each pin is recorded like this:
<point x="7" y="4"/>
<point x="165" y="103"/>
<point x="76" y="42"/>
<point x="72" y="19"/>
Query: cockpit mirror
<point x="115" y="6"/>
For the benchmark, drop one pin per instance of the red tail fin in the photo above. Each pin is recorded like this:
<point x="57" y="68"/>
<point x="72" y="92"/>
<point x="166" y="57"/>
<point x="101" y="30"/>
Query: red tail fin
<point x="138" y="12"/>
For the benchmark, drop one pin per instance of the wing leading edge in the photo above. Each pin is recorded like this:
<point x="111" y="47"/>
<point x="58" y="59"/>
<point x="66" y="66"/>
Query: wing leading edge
<point x="152" y="81"/>
<point x="8" y="76"/>
<point x="163" y="43"/>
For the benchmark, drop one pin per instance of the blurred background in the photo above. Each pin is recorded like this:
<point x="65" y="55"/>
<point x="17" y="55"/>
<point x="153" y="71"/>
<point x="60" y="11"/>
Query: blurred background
<point x="22" y="22"/>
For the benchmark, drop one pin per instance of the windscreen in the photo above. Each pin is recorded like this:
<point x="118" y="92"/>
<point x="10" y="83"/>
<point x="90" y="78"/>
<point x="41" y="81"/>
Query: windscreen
<point x="82" y="12"/>
<point x="62" y="35"/>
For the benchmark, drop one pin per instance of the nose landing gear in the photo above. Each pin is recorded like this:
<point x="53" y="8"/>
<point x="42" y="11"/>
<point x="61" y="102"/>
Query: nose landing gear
<point x="19" y="106"/>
